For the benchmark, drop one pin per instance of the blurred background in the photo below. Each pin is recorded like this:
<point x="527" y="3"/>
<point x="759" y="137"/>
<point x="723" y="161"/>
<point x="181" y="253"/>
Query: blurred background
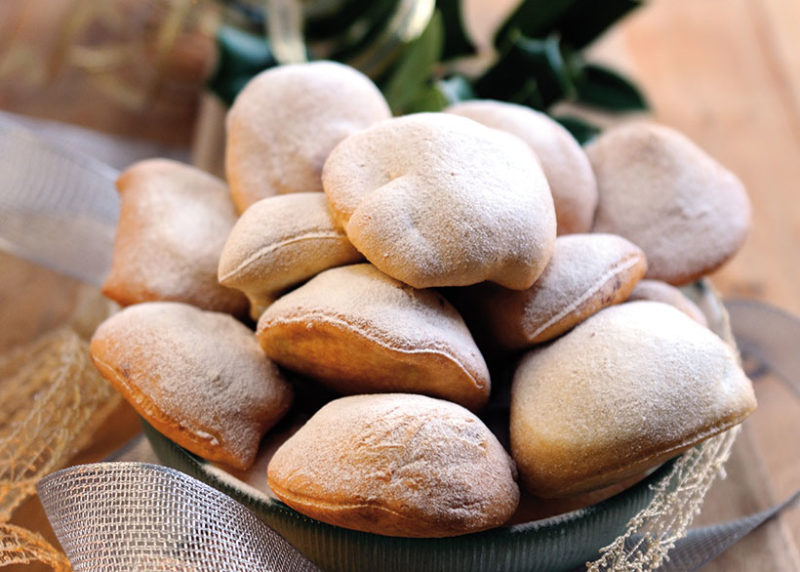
<point x="128" y="79"/>
<point x="725" y="72"/>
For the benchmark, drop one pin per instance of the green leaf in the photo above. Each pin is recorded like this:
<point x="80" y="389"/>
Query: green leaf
<point x="578" y="22"/>
<point x="427" y="99"/>
<point x="415" y="67"/>
<point x="456" y="40"/>
<point x="443" y="93"/>
<point x="455" y="88"/>
<point x="533" y="18"/>
<point x="336" y="22"/>
<point x="585" y="20"/>
<point x="599" y="86"/>
<point x="241" y="55"/>
<point x="363" y="31"/>
<point x="584" y="131"/>
<point x="532" y="71"/>
<point x="529" y="95"/>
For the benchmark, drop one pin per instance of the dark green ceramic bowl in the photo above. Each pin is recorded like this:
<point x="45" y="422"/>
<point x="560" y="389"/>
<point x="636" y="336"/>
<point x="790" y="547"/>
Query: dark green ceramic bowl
<point x="558" y="543"/>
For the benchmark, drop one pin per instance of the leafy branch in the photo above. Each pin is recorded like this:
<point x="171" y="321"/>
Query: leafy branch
<point x="539" y="53"/>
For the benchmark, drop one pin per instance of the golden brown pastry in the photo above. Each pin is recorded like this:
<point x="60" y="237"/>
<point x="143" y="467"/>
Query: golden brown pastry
<point x="629" y="388"/>
<point x="663" y="193"/>
<point x="434" y="199"/>
<point x="563" y="161"/>
<point x="287" y="120"/>
<point x="359" y="331"/>
<point x="396" y="465"/>
<point x="657" y="291"/>
<point x="198" y="377"/>
<point x="586" y="273"/>
<point x="173" y="223"/>
<point x="279" y="242"/>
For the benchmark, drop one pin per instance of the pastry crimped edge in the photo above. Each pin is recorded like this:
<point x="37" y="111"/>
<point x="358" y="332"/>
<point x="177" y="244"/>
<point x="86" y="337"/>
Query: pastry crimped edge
<point x="179" y="431"/>
<point x="572" y="482"/>
<point x="398" y="352"/>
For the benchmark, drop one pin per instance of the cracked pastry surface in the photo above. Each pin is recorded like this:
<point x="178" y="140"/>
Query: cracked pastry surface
<point x="396" y="465"/>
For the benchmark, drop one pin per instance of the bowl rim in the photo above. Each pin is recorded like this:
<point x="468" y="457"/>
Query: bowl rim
<point x="602" y="522"/>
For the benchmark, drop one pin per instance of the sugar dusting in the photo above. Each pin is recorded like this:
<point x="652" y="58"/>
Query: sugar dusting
<point x="440" y="200"/>
<point x="174" y="220"/>
<point x="281" y="241"/>
<point x="384" y="312"/>
<point x="203" y="372"/>
<point x="564" y="162"/>
<point x="287" y="120"/>
<point x="663" y="193"/>
<point x="633" y="380"/>
<point x="425" y="467"/>
<point x="586" y="273"/>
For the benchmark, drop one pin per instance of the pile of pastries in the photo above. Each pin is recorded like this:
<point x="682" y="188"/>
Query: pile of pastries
<point x="394" y="260"/>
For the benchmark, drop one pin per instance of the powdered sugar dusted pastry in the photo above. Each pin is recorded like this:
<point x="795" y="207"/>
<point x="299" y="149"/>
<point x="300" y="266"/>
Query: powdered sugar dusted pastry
<point x="434" y="199"/>
<point x="586" y="273"/>
<point x="359" y="331"/>
<point x="173" y="222"/>
<point x="659" y="190"/>
<point x="657" y="291"/>
<point x="198" y="377"/>
<point x="630" y="387"/>
<point x="279" y="242"/>
<point x="564" y="163"/>
<point x="287" y="119"/>
<point x="396" y="465"/>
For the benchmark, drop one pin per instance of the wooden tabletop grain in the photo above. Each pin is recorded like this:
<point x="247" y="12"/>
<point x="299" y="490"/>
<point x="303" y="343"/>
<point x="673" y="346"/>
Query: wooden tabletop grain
<point x="727" y="73"/>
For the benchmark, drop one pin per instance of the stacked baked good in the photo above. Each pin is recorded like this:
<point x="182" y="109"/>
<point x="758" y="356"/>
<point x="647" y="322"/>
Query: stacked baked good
<point x="393" y="261"/>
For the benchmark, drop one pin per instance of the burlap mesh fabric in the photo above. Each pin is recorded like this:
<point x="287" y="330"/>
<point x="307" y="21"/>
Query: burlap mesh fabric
<point x="133" y="516"/>
<point x="653" y="532"/>
<point x="139" y="517"/>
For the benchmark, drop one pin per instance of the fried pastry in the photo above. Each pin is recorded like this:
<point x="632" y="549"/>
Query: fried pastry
<point x="396" y="465"/>
<point x="563" y="161"/>
<point x="632" y="386"/>
<point x="287" y="120"/>
<point x="657" y="291"/>
<point x="173" y="223"/>
<point x="434" y="199"/>
<point x="586" y="273"/>
<point x="198" y="377"/>
<point x="666" y="195"/>
<point x="279" y="242"/>
<point x="357" y="330"/>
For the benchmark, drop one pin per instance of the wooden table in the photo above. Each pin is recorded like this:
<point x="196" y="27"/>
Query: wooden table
<point x="727" y="73"/>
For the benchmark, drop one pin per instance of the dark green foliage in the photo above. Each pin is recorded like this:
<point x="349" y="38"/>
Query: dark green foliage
<point x="540" y="61"/>
<point x="577" y="22"/>
<point x="581" y="129"/>
<point x="586" y="20"/>
<point x="410" y="77"/>
<point x="456" y="41"/>
<point x="241" y="56"/>
<point x="601" y="87"/>
<point x="531" y="72"/>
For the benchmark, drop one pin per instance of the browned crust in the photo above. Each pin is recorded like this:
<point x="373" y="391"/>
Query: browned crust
<point x="618" y="466"/>
<point x="615" y="288"/>
<point x="327" y="348"/>
<point x="374" y="517"/>
<point x="398" y="465"/>
<point x="185" y="432"/>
